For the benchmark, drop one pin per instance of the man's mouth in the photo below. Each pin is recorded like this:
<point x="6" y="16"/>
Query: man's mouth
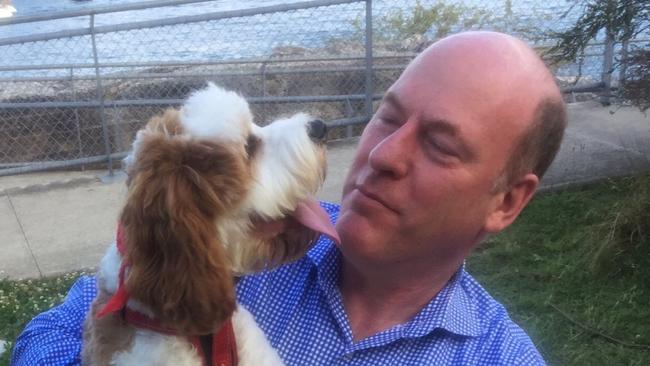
<point x="375" y="197"/>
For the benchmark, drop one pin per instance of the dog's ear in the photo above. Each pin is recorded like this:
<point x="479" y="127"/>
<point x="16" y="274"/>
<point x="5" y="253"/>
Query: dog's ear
<point x="166" y="123"/>
<point x="178" y="189"/>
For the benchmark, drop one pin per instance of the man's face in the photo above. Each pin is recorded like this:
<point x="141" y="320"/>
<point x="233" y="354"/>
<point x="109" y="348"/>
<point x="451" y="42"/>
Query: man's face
<point x="421" y="185"/>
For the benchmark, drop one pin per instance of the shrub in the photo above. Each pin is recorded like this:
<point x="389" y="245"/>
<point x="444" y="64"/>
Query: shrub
<point x="636" y="86"/>
<point x="623" y="239"/>
<point x="435" y="21"/>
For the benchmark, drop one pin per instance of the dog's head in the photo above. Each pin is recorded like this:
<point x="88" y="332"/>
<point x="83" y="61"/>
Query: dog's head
<point x="198" y="178"/>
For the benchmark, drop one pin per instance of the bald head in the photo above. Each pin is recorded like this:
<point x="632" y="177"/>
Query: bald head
<point x="506" y="84"/>
<point x="504" y="66"/>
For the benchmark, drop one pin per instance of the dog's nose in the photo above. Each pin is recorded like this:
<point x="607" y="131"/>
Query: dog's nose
<point x="317" y="130"/>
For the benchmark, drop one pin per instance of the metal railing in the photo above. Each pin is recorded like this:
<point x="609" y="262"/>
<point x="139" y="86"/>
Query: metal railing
<point x="115" y="131"/>
<point x="75" y="92"/>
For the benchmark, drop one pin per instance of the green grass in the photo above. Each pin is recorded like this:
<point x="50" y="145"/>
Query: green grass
<point x="545" y="262"/>
<point x="564" y="251"/>
<point x="21" y="300"/>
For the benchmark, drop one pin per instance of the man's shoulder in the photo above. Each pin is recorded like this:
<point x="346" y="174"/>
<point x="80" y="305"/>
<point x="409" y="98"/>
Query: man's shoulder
<point x="503" y="339"/>
<point x="54" y="337"/>
<point x="274" y="283"/>
<point x="291" y="273"/>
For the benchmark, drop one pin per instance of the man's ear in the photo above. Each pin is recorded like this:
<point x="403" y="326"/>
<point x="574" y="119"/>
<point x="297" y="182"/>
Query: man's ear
<point x="508" y="204"/>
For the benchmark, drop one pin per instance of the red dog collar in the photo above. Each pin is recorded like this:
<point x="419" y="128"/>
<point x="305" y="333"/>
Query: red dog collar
<point x="224" y="346"/>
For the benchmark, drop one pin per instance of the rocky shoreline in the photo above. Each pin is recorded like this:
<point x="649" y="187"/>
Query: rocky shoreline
<point x="71" y="127"/>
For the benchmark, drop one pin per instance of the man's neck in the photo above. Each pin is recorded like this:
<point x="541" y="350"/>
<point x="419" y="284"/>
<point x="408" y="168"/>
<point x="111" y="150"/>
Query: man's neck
<point x="379" y="300"/>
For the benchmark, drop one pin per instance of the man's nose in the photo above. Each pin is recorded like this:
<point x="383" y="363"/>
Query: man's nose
<point x="393" y="154"/>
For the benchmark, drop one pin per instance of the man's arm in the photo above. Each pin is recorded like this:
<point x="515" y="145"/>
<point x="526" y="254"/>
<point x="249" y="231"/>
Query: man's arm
<point x="55" y="336"/>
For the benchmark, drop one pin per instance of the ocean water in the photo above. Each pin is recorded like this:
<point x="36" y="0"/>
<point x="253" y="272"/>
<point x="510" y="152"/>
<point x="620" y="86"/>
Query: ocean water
<point x="31" y="7"/>
<point x="40" y="7"/>
<point x="245" y="37"/>
<point x="536" y="13"/>
<point x="249" y="37"/>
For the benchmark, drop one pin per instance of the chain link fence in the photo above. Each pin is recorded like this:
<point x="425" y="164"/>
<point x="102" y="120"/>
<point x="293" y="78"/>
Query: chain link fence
<point x="76" y="86"/>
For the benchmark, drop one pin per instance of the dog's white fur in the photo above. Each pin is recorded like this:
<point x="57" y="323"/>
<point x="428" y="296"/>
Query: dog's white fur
<point x="235" y="118"/>
<point x="288" y="169"/>
<point x="153" y="349"/>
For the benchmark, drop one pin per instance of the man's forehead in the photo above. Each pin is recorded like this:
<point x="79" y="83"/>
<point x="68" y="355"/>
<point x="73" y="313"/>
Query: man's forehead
<point x="433" y="96"/>
<point x="483" y="46"/>
<point x="433" y="118"/>
<point x="495" y="59"/>
<point x="480" y="119"/>
<point x="467" y="88"/>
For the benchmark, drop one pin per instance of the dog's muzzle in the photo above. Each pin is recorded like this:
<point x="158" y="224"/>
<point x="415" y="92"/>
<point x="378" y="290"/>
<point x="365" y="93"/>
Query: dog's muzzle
<point x="317" y="130"/>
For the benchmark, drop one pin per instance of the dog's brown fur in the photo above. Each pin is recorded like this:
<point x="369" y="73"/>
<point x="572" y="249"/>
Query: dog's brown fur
<point x="178" y="189"/>
<point x="104" y="337"/>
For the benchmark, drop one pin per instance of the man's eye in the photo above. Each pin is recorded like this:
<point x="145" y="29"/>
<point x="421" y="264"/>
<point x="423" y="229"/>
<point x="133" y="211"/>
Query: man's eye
<point x="252" y="145"/>
<point x="389" y="120"/>
<point x="441" y="148"/>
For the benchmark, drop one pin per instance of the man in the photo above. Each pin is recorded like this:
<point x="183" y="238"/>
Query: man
<point x="453" y="154"/>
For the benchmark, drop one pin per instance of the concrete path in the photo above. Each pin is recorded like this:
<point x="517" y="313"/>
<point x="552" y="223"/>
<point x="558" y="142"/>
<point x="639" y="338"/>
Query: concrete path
<point x="57" y="222"/>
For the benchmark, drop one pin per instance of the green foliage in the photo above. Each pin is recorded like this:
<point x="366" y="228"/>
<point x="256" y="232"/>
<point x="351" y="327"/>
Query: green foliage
<point x="439" y="18"/>
<point x="623" y="239"/>
<point x="636" y="86"/>
<point x="520" y="26"/>
<point x="21" y="300"/>
<point x="620" y="19"/>
<point x="437" y="21"/>
<point x="543" y="262"/>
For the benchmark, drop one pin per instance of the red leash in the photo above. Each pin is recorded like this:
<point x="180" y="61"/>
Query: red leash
<point x="224" y="346"/>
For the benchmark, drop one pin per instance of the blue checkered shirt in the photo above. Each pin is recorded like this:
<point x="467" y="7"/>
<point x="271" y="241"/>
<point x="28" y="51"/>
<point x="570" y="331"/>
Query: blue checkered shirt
<point x="300" y="309"/>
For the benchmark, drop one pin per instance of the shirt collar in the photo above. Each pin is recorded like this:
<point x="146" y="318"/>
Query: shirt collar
<point x="452" y="310"/>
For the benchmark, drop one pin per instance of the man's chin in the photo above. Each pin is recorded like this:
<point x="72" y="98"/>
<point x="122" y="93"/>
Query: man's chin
<point x="356" y="229"/>
<point x="361" y="245"/>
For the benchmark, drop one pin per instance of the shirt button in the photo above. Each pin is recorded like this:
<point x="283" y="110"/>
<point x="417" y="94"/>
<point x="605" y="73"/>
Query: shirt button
<point x="348" y="356"/>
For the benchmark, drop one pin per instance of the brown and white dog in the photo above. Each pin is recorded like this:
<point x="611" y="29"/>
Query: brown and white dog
<point x="199" y="179"/>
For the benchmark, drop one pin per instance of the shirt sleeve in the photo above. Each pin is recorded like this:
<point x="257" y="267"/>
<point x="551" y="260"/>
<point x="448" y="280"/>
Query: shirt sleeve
<point x="55" y="336"/>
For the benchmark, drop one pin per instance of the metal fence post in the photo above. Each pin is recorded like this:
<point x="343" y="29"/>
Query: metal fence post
<point x="340" y="78"/>
<point x="76" y="116"/>
<point x="263" y="108"/>
<point x="100" y="97"/>
<point x="369" y="65"/>
<point x="608" y="62"/>
<point x="349" y="113"/>
<point x="623" y="65"/>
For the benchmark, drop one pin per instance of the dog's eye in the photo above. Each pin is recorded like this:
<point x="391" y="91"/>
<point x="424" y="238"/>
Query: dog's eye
<point x="252" y="145"/>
